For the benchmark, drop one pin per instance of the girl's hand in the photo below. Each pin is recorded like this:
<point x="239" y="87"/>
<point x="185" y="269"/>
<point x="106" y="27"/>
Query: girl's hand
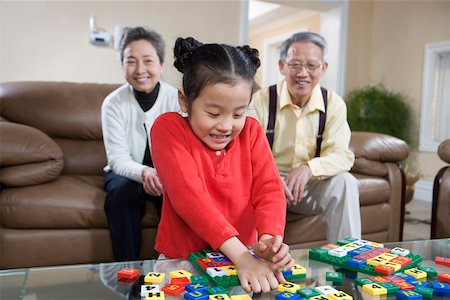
<point x="152" y="185"/>
<point x="273" y="250"/>
<point x="257" y="275"/>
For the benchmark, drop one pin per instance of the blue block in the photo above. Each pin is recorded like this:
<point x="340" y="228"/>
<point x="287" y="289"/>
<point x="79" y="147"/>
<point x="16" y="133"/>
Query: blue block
<point x="406" y="277"/>
<point x="196" y="295"/>
<point x="286" y="272"/>
<point x="194" y="287"/>
<point x="408" y="295"/>
<point x="286" y="296"/>
<point x="440" y="287"/>
<point x="420" y="283"/>
<point x="357" y="263"/>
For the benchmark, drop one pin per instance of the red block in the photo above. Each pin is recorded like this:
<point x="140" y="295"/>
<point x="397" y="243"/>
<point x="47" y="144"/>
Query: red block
<point x="444" y="277"/>
<point x="173" y="289"/>
<point x="403" y="285"/>
<point x="128" y="273"/>
<point x="386" y="270"/>
<point x="379" y="278"/>
<point x="180" y="280"/>
<point x="442" y="261"/>
<point x="402" y="260"/>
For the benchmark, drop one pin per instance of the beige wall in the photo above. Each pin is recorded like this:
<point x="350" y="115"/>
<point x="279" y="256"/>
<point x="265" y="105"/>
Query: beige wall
<point x="50" y="40"/>
<point x="257" y="41"/>
<point x="386" y="43"/>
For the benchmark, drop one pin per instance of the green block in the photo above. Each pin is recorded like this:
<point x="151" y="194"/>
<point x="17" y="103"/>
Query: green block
<point x="334" y="276"/>
<point x="424" y="291"/>
<point x="390" y="287"/>
<point x="363" y="280"/>
<point x="431" y="272"/>
<point x="294" y="277"/>
<point x="217" y="290"/>
<point x="199" y="279"/>
<point x="308" y="293"/>
<point x="345" y="241"/>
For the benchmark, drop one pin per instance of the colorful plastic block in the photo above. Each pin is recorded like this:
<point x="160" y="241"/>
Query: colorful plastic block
<point x="197" y="295"/>
<point x="426" y="292"/>
<point x="199" y="279"/>
<point x="286" y="296"/>
<point x="149" y="288"/>
<point x="339" y="295"/>
<point x="374" y="289"/>
<point x="154" y="277"/>
<point x="390" y="287"/>
<point x="444" y="277"/>
<point x="442" y="261"/>
<point x="440" y="287"/>
<point x="180" y="280"/>
<point x="334" y="276"/>
<point x="219" y="297"/>
<point x="431" y="272"/>
<point x="217" y="290"/>
<point x="154" y="296"/>
<point x="128" y="273"/>
<point x="241" y="297"/>
<point x="288" y="287"/>
<point x="326" y="289"/>
<point x="173" y="289"/>
<point x="307" y="292"/>
<point x="416" y="273"/>
<point x="362" y="281"/>
<point x="195" y="287"/>
<point x="180" y="273"/>
<point x="408" y="295"/>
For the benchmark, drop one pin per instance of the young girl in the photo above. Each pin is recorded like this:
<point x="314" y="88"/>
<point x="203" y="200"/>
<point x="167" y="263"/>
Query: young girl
<point x="221" y="186"/>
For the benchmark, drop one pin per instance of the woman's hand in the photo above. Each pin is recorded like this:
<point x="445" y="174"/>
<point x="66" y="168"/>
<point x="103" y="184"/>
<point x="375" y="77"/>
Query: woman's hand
<point x="152" y="185"/>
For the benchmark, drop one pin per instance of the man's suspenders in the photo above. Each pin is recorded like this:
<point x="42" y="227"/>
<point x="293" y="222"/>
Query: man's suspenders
<point x="270" y="133"/>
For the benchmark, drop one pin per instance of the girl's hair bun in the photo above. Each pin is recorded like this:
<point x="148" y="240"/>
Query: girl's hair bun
<point x="183" y="52"/>
<point x="252" y="54"/>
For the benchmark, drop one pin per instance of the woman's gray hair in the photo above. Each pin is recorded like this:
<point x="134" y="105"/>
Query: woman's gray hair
<point x="304" y="36"/>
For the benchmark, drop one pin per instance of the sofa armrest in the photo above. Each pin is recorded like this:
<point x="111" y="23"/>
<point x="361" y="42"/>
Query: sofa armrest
<point x="372" y="150"/>
<point x="27" y="156"/>
<point x="444" y="151"/>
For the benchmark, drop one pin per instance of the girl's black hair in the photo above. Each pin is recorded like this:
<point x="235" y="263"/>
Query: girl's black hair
<point x="141" y="33"/>
<point x="208" y="64"/>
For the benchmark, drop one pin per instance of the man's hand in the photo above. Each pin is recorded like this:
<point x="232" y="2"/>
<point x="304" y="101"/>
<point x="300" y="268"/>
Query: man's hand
<point x="152" y="185"/>
<point x="296" y="182"/>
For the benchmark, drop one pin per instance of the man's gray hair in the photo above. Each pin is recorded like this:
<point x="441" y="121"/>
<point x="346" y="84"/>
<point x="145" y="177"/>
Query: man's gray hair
<point x="304" y="36"/>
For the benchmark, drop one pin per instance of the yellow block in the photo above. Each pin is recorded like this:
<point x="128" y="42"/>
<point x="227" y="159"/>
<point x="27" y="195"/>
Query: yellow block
<point x="375" y="261"/>
<point x="388" y="256"/>
<point x="180" y="273"/>
<point x="374" y="289"/>
<point x="289" y="287"/>
<point x="231" y="270"/>
<point x="374" y="244"/>
<point x="339" y="295"/>
<point x="298" y="269"/>
<point x="241" y="297"/>
<point x="319" y="297"/>
<point x="154" y="277"/>
<point x="154" y="296"/>
<point x="219" y="297"/>
<point x="418" y="274"/>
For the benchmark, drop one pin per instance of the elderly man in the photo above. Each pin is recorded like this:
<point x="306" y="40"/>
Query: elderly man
<point x="307" y="129"/>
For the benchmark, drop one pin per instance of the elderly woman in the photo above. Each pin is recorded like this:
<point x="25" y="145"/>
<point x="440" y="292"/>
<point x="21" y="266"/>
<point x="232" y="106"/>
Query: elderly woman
<point x="128" y="114"/>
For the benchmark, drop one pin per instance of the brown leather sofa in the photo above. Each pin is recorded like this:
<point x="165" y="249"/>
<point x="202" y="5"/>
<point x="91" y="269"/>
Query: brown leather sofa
<point x="440" y="212"/>
<point x="51" y="198"/>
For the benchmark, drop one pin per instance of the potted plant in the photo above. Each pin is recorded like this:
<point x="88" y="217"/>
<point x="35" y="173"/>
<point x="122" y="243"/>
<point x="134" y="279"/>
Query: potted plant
<point x="376" y="109"/>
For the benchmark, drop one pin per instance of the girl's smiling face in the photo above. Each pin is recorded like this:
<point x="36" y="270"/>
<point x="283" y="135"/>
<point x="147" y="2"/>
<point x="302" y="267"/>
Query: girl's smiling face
<point x="217" y="115"/>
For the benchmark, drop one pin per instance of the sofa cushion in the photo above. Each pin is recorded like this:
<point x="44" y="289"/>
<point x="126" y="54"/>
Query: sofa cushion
<point x="27" y="156"/>
<point x="78" y="204"/>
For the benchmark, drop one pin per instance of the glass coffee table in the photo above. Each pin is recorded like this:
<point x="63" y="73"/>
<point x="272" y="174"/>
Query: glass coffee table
<point x="99" y="281"/>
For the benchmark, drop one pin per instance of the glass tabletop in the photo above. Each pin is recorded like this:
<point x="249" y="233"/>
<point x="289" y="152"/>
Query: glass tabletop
<point x="99" y="281"/>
